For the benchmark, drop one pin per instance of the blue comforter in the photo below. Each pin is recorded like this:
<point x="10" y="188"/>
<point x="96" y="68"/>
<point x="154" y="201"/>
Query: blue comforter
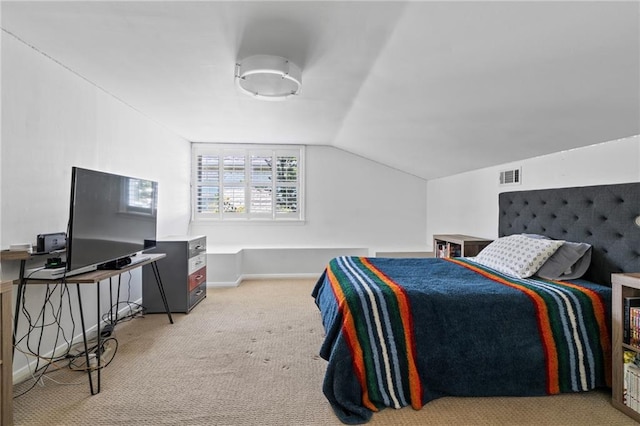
<point x="406" y="331"/>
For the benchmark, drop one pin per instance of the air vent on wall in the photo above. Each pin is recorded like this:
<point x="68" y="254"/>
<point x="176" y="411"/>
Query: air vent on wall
<point x="510" y="177"/>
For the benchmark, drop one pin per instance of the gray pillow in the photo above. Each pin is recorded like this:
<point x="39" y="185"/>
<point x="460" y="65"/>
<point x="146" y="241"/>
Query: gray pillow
<point x="569" y="262"/>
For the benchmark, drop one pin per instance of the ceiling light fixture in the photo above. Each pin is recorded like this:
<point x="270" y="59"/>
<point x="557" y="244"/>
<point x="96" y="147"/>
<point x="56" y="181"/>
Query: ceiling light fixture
<point x="267" y="77"/>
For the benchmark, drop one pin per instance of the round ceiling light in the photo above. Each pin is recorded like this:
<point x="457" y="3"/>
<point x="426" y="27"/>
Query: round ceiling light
<point x="268" y="77"/>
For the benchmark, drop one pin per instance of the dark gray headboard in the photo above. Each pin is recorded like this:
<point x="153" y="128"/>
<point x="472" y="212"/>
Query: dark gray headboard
<point x="603" y="216"/>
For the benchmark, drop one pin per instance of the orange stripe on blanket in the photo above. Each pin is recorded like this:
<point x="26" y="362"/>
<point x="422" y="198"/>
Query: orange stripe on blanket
<point x="549" y="344"/>
<point x="415" y="385"/>
<point x="352" y="340"/>
<point x="600" y="314"/>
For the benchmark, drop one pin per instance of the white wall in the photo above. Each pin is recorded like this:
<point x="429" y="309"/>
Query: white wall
<point x="1" y="61"/>
<point x="53" y="120"/>
<point x="350" y="202"/>
<point x="467" y="203"/>
<point x="353" y="206"/>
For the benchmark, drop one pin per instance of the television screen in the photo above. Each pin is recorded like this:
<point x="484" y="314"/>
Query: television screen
<point x="111" y="218"/>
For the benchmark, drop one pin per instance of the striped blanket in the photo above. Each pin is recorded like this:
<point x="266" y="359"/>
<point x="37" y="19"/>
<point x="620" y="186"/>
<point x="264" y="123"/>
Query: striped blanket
<point x="406" y="331"/>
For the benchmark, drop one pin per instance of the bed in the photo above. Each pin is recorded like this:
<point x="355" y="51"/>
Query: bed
<point x="403" y="332"/>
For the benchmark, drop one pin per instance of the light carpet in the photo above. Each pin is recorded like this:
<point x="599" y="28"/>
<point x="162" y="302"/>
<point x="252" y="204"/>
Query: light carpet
<point x="249" y="356"/>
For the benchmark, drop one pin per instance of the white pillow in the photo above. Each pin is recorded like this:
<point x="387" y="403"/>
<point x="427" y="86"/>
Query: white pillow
<point x="517" y="255"/>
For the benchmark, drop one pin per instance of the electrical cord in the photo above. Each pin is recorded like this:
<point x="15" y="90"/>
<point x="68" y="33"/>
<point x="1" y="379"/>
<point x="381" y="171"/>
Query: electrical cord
<point x="37" y="325"/>
<point x="107" y="346"/>
<point x="36" y="328"/>
<point x="33" y="325"/>
<point x="50" y="315"/>
<point x="135" y="309"/>
<point x="36" y="380"/>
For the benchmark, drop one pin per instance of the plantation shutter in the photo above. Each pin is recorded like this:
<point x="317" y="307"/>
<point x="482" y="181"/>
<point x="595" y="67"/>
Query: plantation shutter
<point x="207" y="197"/>
<point x="286" y="184"/>
<point x="261" y="177"/>
<point x="247" y="182"/>
<point x="233" y="184"/>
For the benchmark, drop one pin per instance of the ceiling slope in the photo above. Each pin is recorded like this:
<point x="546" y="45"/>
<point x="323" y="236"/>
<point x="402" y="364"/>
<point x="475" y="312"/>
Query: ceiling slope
<point x="430" y="88"/>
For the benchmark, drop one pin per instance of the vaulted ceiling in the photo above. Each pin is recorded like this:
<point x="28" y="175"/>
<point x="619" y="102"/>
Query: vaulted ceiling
<point x="431" y="88"/>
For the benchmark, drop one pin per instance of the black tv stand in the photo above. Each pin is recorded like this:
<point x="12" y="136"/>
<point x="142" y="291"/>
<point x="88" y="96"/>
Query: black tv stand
<point x="117" y="264"/>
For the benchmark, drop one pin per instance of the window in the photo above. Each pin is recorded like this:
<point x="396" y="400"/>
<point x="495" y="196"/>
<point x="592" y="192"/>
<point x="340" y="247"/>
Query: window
<point x="247" y="182"/>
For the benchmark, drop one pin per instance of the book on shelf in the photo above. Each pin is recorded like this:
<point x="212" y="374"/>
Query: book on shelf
<point x="629" y="303"/>
<point x="449" y="250"/>
<point x="634" y="326"/>
<point x="631" y="386"/>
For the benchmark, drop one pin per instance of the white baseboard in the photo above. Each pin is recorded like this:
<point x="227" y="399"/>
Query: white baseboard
<point x="301" y="276"/>
<point x="235" y="283"/>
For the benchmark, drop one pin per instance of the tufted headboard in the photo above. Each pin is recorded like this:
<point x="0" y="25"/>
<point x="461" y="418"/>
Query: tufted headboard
<point x="603" y="216"/>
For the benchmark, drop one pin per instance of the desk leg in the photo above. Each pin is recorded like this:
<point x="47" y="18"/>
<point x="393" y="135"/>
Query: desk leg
<point x="99" y="337"/>
<point x="110" y="321"/>
<point x="114" y="322"/>
<point x="154" y="266"/>
<point x="86" y="346"/>
<point x="16" y="313"/>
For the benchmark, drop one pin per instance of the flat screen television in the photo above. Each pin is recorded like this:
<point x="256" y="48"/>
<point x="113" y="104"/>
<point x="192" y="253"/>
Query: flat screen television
<point x="111" y="219"/>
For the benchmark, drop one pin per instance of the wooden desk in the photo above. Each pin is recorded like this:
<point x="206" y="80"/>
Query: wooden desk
<point x="6" y="370"/>
<point x="93" y="277"/>
<point x="98" y="275"/>
<point x="22" y="256"/>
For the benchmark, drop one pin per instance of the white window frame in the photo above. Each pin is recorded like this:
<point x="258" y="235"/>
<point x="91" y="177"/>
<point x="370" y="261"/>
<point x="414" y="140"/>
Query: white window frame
<point x="245" y="183"/>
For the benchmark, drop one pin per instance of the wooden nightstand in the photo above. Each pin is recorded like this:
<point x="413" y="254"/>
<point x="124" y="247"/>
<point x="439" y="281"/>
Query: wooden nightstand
<point x="623" y="285"/>
<point x="456" y="245"/>
<point x="6" y="355"/>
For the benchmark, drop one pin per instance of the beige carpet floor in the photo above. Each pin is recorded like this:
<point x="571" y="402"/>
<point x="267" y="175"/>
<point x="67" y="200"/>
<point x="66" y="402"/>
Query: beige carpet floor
<point x="249" y="356"/>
